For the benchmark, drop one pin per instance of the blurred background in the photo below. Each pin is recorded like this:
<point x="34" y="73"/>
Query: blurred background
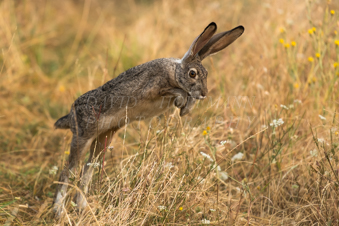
<point x="284" y="66"/>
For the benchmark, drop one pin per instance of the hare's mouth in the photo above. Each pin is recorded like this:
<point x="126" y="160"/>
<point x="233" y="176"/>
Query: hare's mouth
<point x="196" y="97"/>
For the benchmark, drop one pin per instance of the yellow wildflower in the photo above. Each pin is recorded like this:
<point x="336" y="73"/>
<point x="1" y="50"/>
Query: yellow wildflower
<point x="204" y="133"/>
<point x="332" y="12"/>
<point x="335" y="64"/>
<point x="282" y="30"/>
<point x="287" y="45"/>
<point x="317" y="55"/>
<point x="281" y="41"/>
<point x="310" y="31"/>
<point x="66" y="152"/>
<point x="296" y="85"/>
<point x="180" y="208"/>
<point x="314" y="79"/>
<point x="258" y="187"/>
<point x="310" y="59"/>
<point x="293" y="43"/>
<point x="336" y="133"/>
<point x="336" y="42"/>
<point x="62" y="89"/>
<point x="335" y="32"/>
<point x="208" y="128"/>
<point x="314" y="29"/>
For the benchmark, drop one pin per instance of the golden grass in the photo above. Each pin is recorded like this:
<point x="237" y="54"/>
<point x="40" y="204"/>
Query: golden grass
<point x="52" y="52"/>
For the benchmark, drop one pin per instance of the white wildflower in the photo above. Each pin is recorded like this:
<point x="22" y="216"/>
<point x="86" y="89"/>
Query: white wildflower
<point x="321" y="140"/>
<point x="218" y="168"/>
<point x="294" y="137"/>
<point x="265" y="69"/>
<point x="54" y="170"/>
<point x="283" y="106"/>
<point x="275" y="123"/>
<point x="229" y="141"/>
<point x="264" y="127"/>
<point x="212" y="210"/>
<point x="94" y="164"/>
<point x="297" y="101"/>
<point x="207" y="156"/>
<point x="314" y="153"/>
<point x="322" y="117"/>
<point x="169" y="165"/>
<point x="237" y="156"/>
<point x="223" y="175"/>
<point x="274" y="161"/>
<point x="291" y="106"/>
<point x="205" y="221"/>
<point x="161" y="208"/>
<point x="223" y="142"/>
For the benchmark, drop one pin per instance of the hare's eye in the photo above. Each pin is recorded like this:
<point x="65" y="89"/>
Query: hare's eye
<point x="192" y="73"/>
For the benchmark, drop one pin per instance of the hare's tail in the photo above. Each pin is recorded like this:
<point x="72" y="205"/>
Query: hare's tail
<point x="62" y="123"/>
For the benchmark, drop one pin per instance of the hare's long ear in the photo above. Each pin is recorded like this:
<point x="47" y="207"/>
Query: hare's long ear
<point x="220" y="41"/>
<point x="200" y="42"/>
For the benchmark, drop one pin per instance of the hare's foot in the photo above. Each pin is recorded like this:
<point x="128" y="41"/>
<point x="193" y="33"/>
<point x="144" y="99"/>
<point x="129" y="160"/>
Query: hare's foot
<point x="180" y="101"/>
<point x="81" y="201"/>
<point x="58" y="206"/>
<point x="180" y="96"/>
<point x="188" y="107"/>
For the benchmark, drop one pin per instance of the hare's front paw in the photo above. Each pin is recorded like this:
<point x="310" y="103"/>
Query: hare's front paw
<point x="189" y="105"/>
<point x="180" y="101"/>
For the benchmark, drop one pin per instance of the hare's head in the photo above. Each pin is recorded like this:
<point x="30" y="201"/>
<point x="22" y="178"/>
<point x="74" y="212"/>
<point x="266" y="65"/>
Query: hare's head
<point x="193" y="76"/>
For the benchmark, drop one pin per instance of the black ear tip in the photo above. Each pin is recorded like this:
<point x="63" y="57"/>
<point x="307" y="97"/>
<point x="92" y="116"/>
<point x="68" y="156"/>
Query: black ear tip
<point x="212" y="24"/>
<point x="240" y="28"/>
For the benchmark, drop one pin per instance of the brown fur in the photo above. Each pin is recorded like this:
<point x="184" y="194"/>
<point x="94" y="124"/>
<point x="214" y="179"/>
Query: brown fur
<point x="142" y="92"/>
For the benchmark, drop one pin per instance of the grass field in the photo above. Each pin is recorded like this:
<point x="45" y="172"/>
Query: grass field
<point x="262" y="149"/>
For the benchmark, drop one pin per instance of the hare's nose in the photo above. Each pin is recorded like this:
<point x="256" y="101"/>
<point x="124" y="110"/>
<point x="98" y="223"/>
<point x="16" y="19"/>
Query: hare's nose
<point x="204" y="93"/>
<point x="202" y="97"/>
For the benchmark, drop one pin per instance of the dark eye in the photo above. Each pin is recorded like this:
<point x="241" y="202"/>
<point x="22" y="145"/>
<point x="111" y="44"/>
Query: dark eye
<point x="192" y="73"/>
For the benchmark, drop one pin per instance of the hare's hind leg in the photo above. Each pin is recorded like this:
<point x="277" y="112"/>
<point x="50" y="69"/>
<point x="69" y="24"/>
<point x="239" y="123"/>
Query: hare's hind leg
<point x="78" y="146"/>
<point x="97" y="151"/>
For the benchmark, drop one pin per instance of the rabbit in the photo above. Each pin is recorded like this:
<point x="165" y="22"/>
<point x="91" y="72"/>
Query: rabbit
<point x="141" y="92"/>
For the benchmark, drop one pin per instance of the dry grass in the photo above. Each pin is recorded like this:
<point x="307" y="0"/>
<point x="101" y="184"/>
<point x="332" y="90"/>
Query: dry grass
<point x="52" y="52"/>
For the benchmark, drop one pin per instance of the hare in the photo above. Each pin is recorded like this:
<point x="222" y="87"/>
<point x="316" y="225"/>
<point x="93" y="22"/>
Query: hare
<point x="141" y="92"/>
